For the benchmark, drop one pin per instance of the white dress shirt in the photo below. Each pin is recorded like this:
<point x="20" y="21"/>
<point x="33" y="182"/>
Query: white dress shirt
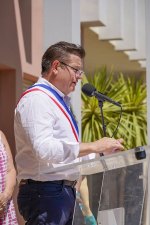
<point x="44" y="138"/>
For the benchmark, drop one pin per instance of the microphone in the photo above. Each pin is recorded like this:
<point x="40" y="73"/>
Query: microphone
<point x="91" y="91"/>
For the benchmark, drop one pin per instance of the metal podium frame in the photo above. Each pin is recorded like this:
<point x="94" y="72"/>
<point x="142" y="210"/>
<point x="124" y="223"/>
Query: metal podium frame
<point x="121" y="191"/>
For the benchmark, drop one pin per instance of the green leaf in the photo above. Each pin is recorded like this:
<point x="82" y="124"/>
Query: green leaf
<point x="127" y="90"/>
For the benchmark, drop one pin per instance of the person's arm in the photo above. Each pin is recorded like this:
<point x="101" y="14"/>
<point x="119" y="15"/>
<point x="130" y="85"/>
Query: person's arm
<point x="84" y="194"/>
<point x="6" y="195"/>
<point x="83" y="199"/>
<point x="38" y="116"/>
<point x="104" y="145"/>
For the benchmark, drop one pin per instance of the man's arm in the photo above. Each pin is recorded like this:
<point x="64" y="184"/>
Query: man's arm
<point x="104" y="145"/>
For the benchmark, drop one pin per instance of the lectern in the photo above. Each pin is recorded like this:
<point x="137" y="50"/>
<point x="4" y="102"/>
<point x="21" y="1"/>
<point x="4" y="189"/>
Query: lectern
<point x="117" y="185"/>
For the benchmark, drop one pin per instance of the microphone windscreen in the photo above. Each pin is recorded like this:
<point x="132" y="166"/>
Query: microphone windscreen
<point x="88" y="89"/>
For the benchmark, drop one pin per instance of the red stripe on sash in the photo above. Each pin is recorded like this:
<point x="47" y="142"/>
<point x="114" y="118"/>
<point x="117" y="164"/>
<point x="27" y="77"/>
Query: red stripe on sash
<point x="37" y="89"/>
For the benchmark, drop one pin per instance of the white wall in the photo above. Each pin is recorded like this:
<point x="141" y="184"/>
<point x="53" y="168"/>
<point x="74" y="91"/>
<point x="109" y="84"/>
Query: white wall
<point x="147" y="222"/>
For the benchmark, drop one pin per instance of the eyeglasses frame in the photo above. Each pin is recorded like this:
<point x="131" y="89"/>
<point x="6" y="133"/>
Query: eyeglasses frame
<point x="77" y="71"/>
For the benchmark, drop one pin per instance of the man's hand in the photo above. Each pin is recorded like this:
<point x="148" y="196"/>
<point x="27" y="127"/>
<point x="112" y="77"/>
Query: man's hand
<point x="108" y="145"/>
<point x="104" y="145"/>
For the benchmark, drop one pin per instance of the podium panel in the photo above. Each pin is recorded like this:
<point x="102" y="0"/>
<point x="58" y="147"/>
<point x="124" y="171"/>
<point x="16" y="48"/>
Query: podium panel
<point x="122" y="196"/>
<point x="122" y="187"/>
<point x="117" y="185"/>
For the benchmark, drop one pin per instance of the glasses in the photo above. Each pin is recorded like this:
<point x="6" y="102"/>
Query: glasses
<point x="76" y="71"/>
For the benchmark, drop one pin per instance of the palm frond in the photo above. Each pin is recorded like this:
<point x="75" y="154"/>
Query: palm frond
<point x="131" y="93"/>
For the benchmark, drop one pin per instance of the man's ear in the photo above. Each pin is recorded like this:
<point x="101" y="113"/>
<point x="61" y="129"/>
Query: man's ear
<point x="54" y="66"/>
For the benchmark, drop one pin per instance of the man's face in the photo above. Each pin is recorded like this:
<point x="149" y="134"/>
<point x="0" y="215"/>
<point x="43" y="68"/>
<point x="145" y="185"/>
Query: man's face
<point x="68" y="74"/>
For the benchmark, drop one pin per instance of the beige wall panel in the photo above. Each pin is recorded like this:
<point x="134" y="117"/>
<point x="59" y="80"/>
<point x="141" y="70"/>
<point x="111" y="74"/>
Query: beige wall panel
<point x="100" y="53"/>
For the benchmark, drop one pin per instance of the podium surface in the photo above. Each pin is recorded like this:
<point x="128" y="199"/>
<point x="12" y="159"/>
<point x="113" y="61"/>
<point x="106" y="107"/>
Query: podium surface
<point x="109" y="162"/>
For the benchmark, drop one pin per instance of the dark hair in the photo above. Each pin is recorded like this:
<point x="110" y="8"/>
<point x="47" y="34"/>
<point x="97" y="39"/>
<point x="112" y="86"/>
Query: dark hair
<point x="60" y="51"/>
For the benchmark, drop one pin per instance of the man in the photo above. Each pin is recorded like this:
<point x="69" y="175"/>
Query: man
<point x="46" y="136"/>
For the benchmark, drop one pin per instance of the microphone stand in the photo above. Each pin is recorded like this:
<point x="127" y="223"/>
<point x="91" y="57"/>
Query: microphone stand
<point x="100" y="102"/>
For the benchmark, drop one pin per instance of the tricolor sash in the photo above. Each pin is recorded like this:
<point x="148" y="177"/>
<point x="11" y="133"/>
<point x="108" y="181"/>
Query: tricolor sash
<point x="58" y="100"/>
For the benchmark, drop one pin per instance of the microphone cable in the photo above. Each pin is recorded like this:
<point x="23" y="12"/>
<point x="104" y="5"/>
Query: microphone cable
<point x="116" y="129"/>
